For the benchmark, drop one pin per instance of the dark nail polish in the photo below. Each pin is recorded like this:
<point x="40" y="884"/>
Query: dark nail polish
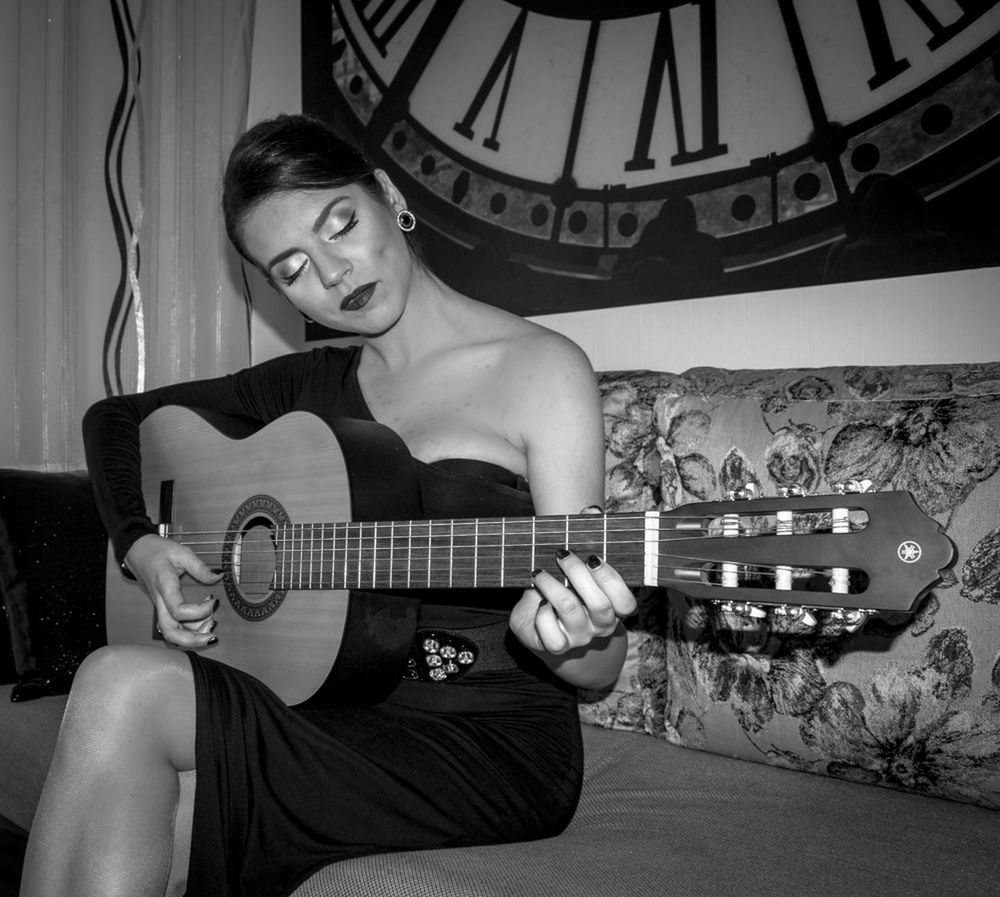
<point x="215" y="606"/>
<point x="213" y="641"/>
<point x="594" y="562"/>
<point x="563" y="553"/>
<point x="217" y="570"/>
<point x="536" y="572"/>
<point x="214" y="624"/>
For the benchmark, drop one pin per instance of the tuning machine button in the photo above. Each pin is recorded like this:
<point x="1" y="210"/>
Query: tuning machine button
<point x="852" y="618"/>
<point x="743" y="609"/>
<point x="796" y="614"/>
<point x="865" y="485"/>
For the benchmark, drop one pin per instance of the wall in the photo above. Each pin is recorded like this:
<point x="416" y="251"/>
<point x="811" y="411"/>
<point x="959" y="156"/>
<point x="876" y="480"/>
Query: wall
<point x="938" y="319"/>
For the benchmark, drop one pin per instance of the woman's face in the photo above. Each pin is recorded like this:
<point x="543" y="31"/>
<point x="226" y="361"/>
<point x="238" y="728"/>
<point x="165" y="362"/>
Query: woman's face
<point x="337" y="255"/>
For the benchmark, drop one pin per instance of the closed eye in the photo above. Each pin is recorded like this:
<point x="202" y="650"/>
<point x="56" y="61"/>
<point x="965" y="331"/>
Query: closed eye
<point x="289" y="279"/>
<point x="346" y="229"/>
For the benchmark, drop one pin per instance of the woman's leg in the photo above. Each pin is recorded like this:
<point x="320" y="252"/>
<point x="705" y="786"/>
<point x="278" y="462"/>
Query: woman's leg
<point x="105" y="822"/>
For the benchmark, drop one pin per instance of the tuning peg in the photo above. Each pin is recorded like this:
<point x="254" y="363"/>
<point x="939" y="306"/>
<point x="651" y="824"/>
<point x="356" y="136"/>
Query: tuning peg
<point x="796" y="614"/>
<point x="743" y="609"/>
<point x="865" y="485"/>
<point x="794" y="491"/>
<point x="744" y="492"/>
<point x="852" y="618"/>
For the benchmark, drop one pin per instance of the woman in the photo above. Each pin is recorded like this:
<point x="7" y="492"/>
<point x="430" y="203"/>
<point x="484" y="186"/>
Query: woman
<point x="485" y="402"/>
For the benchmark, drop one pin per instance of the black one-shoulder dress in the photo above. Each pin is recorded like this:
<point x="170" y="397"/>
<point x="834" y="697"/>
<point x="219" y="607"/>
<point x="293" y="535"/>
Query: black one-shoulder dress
<point x="491" y="756"/>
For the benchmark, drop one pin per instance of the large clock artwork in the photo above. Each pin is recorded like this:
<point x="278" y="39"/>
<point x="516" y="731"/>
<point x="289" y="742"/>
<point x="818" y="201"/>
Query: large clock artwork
<point x="563" y="155"/>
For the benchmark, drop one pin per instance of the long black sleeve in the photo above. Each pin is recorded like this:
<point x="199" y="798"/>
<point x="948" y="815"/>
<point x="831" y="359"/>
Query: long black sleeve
<point x="308" y="381"/>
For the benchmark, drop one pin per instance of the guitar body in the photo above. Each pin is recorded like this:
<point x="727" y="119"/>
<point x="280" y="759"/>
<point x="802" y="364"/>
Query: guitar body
<point x="199" y="478"/>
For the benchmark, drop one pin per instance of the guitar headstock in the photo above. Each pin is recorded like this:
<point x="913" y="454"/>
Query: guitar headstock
<point x="852" y="553"/>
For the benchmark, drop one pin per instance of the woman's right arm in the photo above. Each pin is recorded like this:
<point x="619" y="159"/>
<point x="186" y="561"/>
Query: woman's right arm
<point x="113" y="451"/>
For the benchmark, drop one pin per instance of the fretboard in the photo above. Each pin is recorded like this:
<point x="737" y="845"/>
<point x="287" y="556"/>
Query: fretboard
<point x="471" y="553"/>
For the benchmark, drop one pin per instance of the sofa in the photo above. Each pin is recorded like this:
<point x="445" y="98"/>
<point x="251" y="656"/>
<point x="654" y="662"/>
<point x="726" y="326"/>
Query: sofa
<point x="747" y="748"/>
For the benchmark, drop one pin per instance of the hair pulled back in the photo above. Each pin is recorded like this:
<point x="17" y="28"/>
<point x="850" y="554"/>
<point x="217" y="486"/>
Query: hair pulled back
<point x="287" y="153"/>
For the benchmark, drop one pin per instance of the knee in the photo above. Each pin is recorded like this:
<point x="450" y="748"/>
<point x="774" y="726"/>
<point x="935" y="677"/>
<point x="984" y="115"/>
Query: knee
<point x="135" y="700"/>
<point x="124" y="678"/>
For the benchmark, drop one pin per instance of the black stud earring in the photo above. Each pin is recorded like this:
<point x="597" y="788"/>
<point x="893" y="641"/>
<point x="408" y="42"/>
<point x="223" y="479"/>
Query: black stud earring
<point x="406" y="220"/>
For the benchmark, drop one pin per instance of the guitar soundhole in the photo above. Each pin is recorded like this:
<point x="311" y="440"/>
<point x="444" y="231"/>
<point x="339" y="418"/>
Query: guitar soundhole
<point x="249" y="555"/>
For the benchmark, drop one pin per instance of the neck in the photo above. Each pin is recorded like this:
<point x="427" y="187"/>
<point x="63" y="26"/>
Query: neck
<point x="426" y="326"/>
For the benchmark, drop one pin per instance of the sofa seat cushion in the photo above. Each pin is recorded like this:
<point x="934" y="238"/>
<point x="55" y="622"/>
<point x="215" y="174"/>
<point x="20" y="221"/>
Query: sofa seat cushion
<point x="658" y="819"/>
<point x="654" y="818"/>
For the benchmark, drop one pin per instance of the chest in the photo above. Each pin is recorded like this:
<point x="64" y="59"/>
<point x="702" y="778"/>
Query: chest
<point x="450" y="409"/>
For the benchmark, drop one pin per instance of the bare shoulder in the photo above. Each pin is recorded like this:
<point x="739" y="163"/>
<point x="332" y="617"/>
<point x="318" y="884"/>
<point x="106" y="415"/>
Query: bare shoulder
<point x="532" y="359"/>
<point x="546" y="353"/>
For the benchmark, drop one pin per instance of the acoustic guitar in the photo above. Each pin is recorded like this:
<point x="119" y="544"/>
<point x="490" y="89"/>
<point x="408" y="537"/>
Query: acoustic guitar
<point x="298" y="514"/>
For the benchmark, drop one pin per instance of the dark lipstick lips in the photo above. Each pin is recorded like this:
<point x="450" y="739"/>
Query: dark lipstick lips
<point x="357" y="298"/>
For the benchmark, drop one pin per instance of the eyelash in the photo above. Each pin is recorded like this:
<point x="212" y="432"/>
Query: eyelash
<point x="347" y="228"/>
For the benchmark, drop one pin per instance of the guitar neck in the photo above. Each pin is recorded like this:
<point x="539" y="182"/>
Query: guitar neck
<point x="473" y="553"/>
<point x="869" y="551"/>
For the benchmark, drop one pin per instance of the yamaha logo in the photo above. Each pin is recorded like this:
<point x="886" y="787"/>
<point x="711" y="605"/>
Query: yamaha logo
<point x="909" y="552"/>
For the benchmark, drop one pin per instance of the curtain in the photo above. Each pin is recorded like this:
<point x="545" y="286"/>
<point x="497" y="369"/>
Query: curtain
<point x="116" y="117"/>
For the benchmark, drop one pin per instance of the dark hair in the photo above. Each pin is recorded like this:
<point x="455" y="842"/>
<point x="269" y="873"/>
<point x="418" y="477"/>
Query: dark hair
<point x="289" y="152"/>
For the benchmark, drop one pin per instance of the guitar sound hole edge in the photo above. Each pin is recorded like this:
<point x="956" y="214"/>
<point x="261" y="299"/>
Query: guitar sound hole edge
<point x="258" y="510"/>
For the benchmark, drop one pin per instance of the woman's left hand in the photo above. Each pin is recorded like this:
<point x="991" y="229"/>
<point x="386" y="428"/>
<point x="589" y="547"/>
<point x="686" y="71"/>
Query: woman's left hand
<point x="559" y="614"/>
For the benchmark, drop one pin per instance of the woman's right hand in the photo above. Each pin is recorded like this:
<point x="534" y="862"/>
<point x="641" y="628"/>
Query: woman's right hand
<point x="158" y="564"/>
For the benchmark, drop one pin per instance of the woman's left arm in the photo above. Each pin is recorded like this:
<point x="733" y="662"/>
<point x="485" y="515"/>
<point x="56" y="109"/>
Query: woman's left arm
<point x="571" y="614"/>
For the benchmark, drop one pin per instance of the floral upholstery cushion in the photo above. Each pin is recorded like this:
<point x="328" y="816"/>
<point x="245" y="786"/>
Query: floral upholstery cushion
<point x="910" y="702"/>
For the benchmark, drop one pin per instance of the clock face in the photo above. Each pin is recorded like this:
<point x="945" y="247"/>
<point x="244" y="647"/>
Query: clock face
<point x="537" y="141"/>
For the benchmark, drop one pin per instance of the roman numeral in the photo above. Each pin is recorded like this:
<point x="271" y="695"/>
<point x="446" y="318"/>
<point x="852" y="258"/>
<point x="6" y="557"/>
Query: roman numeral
<point x="379" y="25"/>
<point x="665" y="59"/>
<point x="505" y="61"/>
<point x="887" y="66"/>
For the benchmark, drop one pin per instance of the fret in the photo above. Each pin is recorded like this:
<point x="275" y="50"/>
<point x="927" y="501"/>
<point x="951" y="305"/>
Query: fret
<point x="339" y="556"/>
<point x="299" y="555"/>
<point x="651" y="552"/>
<point x="420" y="534"/>
<point x="490" y="551"/>
<point x="451" y="554"/>
<point x="519" y="551"/>
<point x="503" y="547"/>
<point x="550" y="536"/>
<point x="303" y="543"/>
<point x="409" y="551"/>
<point x="312" y="553"/>
<point x="439" y="553"/>
<point x="462" y="570"/>
<point x="279" y="581"/>
<point x="325" y="532"/>
<point x="354" y="554"/>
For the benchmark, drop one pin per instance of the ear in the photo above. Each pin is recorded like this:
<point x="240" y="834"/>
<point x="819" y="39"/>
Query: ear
<point x="392" y="195"/>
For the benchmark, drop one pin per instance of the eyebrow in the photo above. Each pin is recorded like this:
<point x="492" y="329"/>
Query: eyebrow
<point x="321" y="219"/>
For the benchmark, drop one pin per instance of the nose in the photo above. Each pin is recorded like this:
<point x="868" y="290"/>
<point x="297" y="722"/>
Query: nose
<point x="333" y="271"/>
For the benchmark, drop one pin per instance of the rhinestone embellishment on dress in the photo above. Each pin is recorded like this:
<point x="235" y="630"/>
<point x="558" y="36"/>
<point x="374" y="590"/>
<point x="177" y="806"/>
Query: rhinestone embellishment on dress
<point x="440" y="656"/>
